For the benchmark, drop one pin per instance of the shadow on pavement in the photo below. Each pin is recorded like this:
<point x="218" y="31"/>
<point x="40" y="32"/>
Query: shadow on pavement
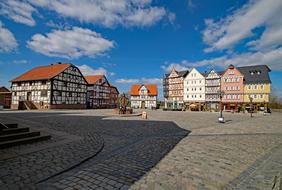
<point x="131" y="149"/>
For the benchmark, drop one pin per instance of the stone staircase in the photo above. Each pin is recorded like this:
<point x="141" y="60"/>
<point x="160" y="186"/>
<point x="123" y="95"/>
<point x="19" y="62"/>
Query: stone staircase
<point x="29" y="105"/>
<point x="12" y="135"/>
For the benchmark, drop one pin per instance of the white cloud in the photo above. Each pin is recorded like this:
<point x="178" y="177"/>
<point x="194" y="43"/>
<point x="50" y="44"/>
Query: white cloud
<point x="87" y="70"/>
<point x="127" y="81"/>
<point x="70" y="44"/>
<point x="182" y="66"/>
<point x="107" y="12"/>
<point x="157" y="81"/>
<point x="191" y="4"/>
<point x="7" y="40"/>
<point x="22" y="61"/>
<point x="229" y="31"/>
<point x="18" y="11"/>
<point x="271" y="58"/>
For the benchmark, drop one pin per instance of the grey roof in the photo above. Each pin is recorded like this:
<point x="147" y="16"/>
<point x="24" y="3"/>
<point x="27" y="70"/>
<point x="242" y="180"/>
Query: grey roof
<point x="205" y="74"/>
<point x="183" y="73"/>
<point x="255" y="74"/>
<point x="180" y="73"/>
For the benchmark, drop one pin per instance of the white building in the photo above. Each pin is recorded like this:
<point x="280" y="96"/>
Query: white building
<point x="55" y="86"/>
<point x="144" y="96"/>
<point x="194" y="90"/>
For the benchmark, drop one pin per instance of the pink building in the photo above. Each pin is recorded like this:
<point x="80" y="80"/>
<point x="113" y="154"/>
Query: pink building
<point x="233" y="88"/>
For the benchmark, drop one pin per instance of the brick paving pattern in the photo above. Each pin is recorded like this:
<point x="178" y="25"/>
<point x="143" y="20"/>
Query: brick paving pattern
<point x="243" y="153"/>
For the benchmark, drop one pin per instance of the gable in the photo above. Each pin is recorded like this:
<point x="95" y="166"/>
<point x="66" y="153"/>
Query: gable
<point x="173" y="74"/>
<point x="194" y="73"/>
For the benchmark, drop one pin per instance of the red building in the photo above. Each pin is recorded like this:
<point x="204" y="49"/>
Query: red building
<point x="232" y="84"/>
<point x="5" y="97"/>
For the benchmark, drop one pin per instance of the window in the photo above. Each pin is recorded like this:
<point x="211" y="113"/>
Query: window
<point x="200" y="89"/>
<point x="255" y="96"/>
<point x="19" y="84"/>
<point x="255" y="86"/>
<point x="43" y="82"/>
<point x="249" y="87"/>
<point x="262" y="87"/>
<point x="43" y="93"/>
<point x="261" y="96"/>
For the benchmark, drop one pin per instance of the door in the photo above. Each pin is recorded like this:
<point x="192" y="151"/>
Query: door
<point x="143" y="104"/>
<point x="28" y="96"/>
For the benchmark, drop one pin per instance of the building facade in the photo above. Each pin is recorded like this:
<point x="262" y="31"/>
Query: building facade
<point x="256" y="86"/>
<point x="114" y="93"/>
<point x="232" y="85"/>
<point x="173" y="85"/>
<point x="98" y="91"/>
<point x="56" y="86"/>
<point x="5" y="97"/>
<point x="144" y="96"/>
<point x="213" y="88"/>
<point x="194" y="90"/>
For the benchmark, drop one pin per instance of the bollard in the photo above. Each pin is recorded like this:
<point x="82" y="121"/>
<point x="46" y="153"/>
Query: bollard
<point x="144" y="115"/>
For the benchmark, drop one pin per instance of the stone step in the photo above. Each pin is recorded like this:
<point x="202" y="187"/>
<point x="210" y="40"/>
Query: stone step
<point x="28" y="140"/>
<point x="11" y="125"/>
<point x="15" y="136"/>
<point x="13" y="130"/>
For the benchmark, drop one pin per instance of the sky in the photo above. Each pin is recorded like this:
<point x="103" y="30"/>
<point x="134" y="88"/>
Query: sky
<point x="138" y="41"/>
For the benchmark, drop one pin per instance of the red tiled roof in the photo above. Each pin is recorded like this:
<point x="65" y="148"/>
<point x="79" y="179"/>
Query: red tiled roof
<point x="42" y="73"/>
<point x="93" y="79"/>
<point x="152" y="89"/>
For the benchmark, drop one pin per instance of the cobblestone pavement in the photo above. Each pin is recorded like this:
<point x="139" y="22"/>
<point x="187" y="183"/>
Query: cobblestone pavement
<point x="243" y="153"/>
<point x="214" y="154"/>
<point x="25" y="165"/>
<point x="131" y="149"/>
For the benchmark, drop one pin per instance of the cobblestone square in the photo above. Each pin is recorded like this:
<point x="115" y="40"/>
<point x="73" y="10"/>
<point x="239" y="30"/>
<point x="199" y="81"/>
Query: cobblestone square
<point x="94" y="149"/>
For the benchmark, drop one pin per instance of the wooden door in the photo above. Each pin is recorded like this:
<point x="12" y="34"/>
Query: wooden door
<point x="28" y="96"/>
<point x="143" y="104"/>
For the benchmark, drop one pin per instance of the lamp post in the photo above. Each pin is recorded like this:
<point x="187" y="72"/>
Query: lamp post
<point x="251" y="106"/>
<point x="221" y="118"/>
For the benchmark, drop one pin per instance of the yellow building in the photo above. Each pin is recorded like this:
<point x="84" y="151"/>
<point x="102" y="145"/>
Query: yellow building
<point x="256" y="87"/>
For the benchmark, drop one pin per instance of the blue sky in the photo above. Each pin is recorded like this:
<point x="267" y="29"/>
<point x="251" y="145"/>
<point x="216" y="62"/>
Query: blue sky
<point x="137" y="41"/>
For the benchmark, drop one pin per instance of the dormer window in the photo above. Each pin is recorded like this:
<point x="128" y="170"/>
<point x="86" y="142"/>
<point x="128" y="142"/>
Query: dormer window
<point x="258" y="72"/>
<point x="252" y="73"/>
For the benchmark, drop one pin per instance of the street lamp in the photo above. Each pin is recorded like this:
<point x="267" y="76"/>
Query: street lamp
<point x="251" y="106"/>
<point x="221" y="118"/>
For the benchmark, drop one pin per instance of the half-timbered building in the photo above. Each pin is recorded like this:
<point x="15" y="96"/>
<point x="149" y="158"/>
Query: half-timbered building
<point x="213" y="90"/>
<point x="173" y="89"/>
<point x="56" y="86"/>
<point x="144" y="96"/>
<point x="233" y="88"/>
<point x="98" y="91"/>
<point x="114" y="97"/>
